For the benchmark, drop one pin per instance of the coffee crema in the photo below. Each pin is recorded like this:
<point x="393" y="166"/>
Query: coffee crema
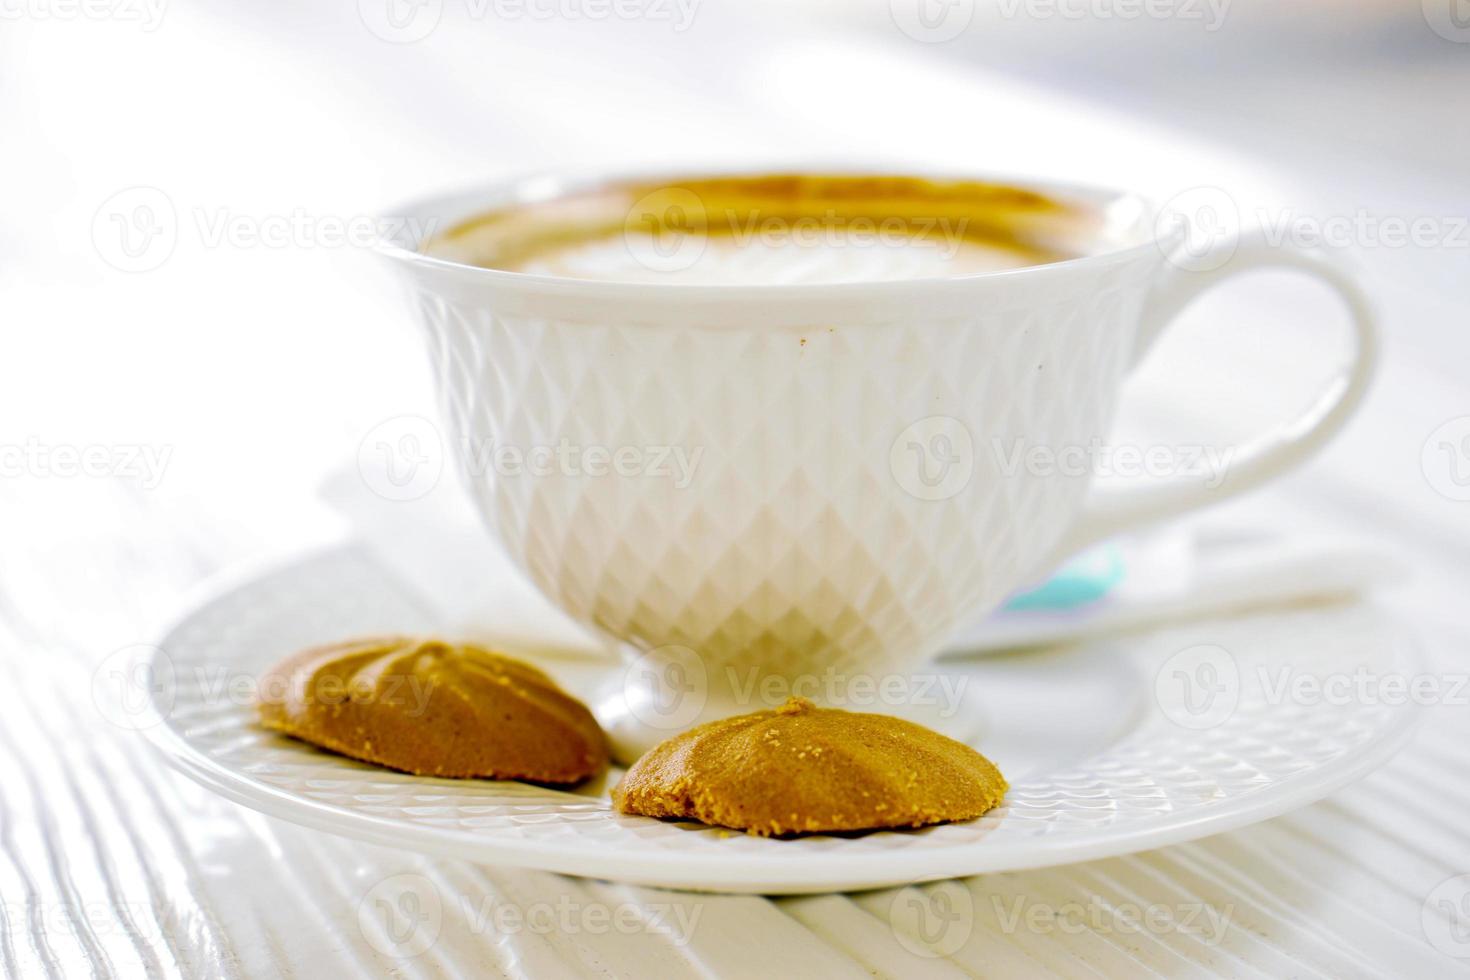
<point x="787" y="228"/>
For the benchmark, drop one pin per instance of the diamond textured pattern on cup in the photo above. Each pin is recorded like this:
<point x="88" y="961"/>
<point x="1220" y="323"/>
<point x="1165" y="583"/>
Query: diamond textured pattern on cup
<point x="794" y="543"/>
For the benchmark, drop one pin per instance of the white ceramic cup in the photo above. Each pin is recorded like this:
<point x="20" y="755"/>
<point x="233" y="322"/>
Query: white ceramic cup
<point x="845" y="496"/>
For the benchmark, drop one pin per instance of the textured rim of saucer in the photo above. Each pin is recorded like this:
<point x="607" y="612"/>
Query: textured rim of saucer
<point x="743" y="873"/>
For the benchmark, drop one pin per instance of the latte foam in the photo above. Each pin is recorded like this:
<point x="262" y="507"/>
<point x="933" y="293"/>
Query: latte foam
<point x="726" y="262"/>
<point x="775" y="230"/>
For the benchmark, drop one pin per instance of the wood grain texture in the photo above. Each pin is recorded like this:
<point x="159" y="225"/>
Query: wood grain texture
<point x="111" y="865"/>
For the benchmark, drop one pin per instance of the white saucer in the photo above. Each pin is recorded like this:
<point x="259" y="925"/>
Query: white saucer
<point x="1110" y="747"/>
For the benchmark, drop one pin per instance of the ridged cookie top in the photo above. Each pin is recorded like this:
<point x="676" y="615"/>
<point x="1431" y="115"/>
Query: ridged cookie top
<point x="804" y="769"/>
<point x="434" y="709"/>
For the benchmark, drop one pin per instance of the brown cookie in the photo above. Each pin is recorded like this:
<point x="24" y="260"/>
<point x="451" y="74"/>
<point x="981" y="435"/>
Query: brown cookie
<point x="803" y="769"/>
<point x="433" y="709"/>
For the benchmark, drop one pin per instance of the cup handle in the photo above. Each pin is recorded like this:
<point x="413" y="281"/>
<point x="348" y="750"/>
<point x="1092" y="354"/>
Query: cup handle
<point x="1267" y="456"/>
